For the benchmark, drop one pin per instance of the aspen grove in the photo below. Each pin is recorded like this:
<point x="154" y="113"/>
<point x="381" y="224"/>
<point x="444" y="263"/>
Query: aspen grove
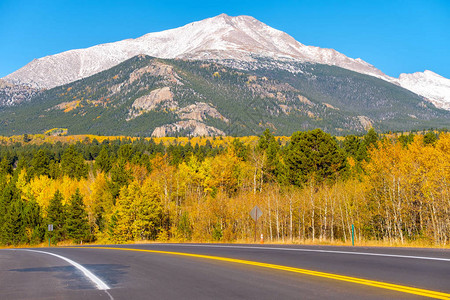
<point x="310" y="187"/>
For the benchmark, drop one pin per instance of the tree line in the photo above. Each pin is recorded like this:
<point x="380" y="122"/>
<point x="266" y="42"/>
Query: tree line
<point x="312" y="187"/>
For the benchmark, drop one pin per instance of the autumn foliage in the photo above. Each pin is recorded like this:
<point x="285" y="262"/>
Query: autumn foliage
<point x="310" y="187"/>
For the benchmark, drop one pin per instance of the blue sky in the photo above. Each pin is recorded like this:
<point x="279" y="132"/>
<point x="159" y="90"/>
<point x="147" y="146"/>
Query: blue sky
<point x="395" y="36"/>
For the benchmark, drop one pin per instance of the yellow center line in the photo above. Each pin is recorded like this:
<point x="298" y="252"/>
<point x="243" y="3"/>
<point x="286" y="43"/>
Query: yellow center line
<point x="378" y="284"/>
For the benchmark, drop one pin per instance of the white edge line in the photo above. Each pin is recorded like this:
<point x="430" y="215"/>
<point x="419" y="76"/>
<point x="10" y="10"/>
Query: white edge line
<point x="97" y="281"/>
<point x="315" y="250"/>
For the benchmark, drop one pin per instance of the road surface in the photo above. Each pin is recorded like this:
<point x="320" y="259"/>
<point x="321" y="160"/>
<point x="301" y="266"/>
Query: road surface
<point x="221" y="271"/>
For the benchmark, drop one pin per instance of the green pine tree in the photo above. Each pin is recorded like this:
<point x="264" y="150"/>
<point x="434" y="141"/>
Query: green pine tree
<point x="240" y="149"/>
<point x="265" y="139"/>
<point x="14" y="224"/>
<point x="313" y="153"/>
<point x="103" y="161"/>
<point x="73" y="165"/>
<point x="34" y="223"/>
<point x="77" y="223"/>
<point x="355" y="147"/>
<point x="5" y="166"/>
<point x="120" y="177"/>
<point x="8" y="199"/>
<point x="56" y="215"/>
<point x="430" y="138"/>
<point x="40" y="164"/>
<point x="371" y="138"/>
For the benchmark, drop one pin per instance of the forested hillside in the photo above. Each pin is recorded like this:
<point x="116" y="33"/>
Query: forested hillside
<point x="309" y="187"/>
<point x="145" y="96"/>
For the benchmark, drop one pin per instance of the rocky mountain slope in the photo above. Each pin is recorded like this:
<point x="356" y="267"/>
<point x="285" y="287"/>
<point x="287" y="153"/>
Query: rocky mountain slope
<point x="221" y="37"/>
<point x="11" y="94"/>
<point x="146" y="96"/>
<point x="241" y="39"/>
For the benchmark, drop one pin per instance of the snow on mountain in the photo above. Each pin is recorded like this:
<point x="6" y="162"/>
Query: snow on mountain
<point x="429" y="85"/>
<point x="220" y="37"/>
<point x="11" y="94"/>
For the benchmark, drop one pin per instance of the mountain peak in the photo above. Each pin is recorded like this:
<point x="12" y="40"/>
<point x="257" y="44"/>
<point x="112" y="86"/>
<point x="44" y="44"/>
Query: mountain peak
<point x="226" y="17"/>
<point x="429" y="84"/>
<point x="433" y="74"/>
<point x="221" y="37"/>
<point x="427" y="74"/>
<point x="222" y="16"/>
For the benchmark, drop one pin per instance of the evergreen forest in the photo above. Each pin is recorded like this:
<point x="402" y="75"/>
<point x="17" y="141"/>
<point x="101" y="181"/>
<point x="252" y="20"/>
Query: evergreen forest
<point x="311" y="187"/>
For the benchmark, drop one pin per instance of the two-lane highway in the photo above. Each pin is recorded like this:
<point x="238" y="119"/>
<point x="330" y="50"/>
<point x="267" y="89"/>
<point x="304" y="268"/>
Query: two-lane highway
<point x="220" y="271"/>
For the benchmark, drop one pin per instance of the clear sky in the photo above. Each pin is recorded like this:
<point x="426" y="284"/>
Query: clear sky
<point x="395" y="36"/>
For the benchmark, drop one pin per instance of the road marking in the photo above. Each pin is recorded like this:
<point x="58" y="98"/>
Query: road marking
<point x="97" y="281"/>
<point x="311" y="250"/>
<point x="379" y="284"/>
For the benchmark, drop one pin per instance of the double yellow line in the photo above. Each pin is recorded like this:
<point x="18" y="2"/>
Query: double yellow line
<point x="378" y="284"/>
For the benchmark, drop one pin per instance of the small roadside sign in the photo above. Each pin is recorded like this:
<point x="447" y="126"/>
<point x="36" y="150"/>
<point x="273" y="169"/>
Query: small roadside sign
<point x="256" y="213"/>
<point x="50" y="227"/>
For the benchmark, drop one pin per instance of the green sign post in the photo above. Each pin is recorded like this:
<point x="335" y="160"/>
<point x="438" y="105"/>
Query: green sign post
<point x="353" y="235"/>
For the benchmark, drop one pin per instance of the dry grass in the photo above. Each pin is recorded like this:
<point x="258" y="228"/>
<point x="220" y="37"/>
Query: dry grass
<point x="309" y="242"/>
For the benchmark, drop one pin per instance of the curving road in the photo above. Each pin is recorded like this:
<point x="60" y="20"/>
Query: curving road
<point x="220" y="271"/>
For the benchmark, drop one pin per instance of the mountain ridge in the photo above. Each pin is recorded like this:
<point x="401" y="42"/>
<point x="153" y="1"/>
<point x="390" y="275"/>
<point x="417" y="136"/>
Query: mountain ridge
<point x="239" y="43"/>
<point x="220" y="37"/>
<point x="146" y="96"/>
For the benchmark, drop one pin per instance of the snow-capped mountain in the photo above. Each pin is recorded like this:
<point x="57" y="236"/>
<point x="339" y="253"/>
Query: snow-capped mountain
<point x="430" y="85"/>
<point x="220" y="38"/>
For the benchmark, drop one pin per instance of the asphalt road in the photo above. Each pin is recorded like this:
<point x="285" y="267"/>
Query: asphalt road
<point x="145" y="275"/>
